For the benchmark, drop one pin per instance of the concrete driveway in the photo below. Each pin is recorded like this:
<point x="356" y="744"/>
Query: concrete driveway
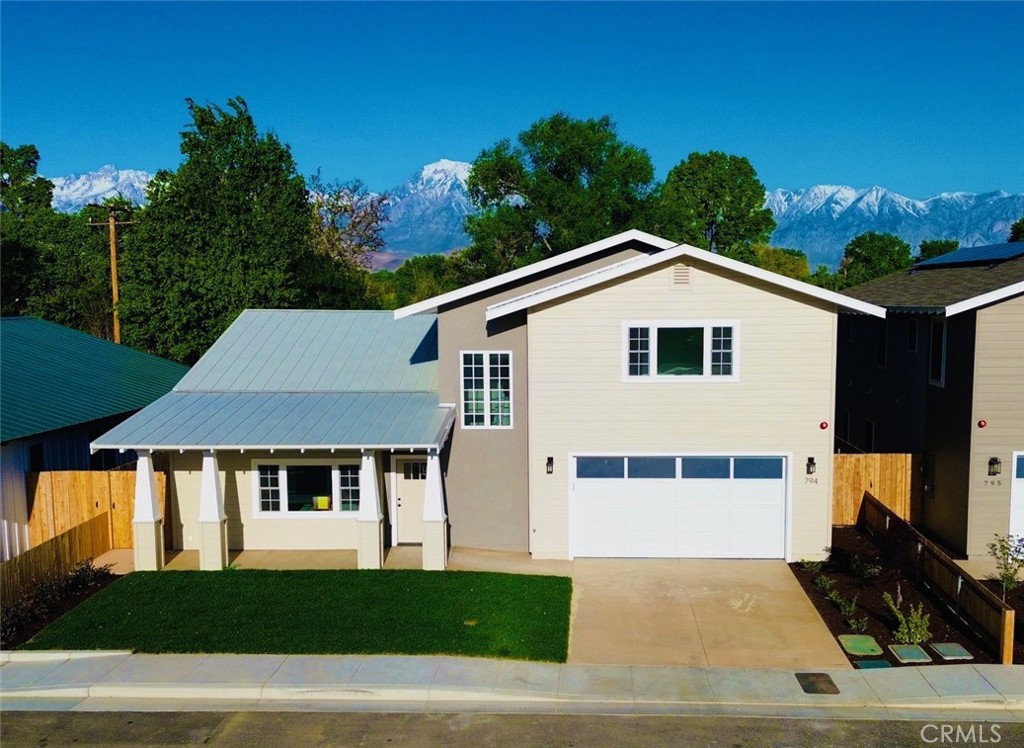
<point x="691" y="612"/>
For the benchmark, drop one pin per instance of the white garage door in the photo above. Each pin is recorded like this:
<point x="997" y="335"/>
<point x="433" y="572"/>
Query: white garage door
<point x="678" y="507"/>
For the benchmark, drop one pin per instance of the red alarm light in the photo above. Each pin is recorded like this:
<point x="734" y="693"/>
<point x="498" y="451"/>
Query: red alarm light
<point x="823" y="425"/>
<point x="982" y="423"/>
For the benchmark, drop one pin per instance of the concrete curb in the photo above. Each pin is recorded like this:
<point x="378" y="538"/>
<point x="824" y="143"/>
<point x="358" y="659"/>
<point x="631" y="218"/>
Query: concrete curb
<point x="47" y="655"/>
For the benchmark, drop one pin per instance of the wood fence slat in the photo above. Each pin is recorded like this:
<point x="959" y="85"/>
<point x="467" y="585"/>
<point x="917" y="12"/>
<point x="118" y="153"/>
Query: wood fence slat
<point x="888" y="477"/>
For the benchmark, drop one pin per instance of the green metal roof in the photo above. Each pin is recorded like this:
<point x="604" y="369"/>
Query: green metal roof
<point x="52" y="377"/>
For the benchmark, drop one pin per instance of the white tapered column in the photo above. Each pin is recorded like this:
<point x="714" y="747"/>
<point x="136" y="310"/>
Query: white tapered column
<point x="213" y="522"/>
<point x="369" y="518"/>
<point x="147" y="523"/>
<point x="435" y="520"/>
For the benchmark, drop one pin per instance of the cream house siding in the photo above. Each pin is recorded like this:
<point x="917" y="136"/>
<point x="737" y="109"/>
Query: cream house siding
<point x="486" y="481"/>
<point x="580" y="403"/>
<point x="321" y="531"/>
<point x="999" y="400"/>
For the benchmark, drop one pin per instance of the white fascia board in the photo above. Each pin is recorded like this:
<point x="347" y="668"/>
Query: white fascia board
<point x="256" y="447"/>
<point x="634" y="264"/>
<point x="432" y="304"/>
<point x="986" y="298"/>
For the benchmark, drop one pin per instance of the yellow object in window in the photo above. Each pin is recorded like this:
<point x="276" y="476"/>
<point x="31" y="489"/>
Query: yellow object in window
<point x="322" y="502"/>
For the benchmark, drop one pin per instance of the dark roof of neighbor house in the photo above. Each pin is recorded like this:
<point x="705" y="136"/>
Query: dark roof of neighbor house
<point x="933" y="287"/>
<point x="294" y="379"/>
<point x="52" y="377"/>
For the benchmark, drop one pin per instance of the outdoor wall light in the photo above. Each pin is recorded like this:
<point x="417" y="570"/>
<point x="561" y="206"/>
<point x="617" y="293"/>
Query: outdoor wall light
<point x="995" y="466"/>
<point x="811" y="467"/>
<point x="551" y="465"/>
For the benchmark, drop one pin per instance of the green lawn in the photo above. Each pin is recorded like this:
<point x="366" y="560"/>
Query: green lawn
<point x="323" y="612"/>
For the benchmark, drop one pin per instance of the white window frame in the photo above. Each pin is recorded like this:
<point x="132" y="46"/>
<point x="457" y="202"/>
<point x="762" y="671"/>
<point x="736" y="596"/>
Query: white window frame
<point x="335" y="512"/>
<point x="707" y="324"/>
<point x="941" y="381"/>
<point x="487" y="391"/>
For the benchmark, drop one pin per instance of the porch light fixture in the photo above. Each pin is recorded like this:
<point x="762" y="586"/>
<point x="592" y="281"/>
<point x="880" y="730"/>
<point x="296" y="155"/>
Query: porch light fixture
<point x="811" y="467"/>
<point x="995" y="466"/>
<point x="551" y="465"/>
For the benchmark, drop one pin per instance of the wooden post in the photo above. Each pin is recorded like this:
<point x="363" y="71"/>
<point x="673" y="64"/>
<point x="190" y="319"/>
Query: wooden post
<point x="1006" y="641"/>
<point x="112" y="223"/>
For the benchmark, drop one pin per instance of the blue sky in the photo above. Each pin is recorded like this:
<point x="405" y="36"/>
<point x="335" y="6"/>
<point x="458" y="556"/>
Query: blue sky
<point x="919" y="97"/>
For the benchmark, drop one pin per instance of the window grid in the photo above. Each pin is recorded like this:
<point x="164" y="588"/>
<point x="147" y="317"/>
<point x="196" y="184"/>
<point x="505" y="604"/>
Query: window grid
<point x="348" y="488"/>
<point x="721" y="351"/>
<point x="270" y="488"/>
<point x="487" y="389"/>
<point x="414" y="470"/>
<point x="639" y="351"/>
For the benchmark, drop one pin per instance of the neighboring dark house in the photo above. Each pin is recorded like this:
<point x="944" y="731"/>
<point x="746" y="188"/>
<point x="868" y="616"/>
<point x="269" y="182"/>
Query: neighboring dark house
<point x="59" y="390"/>
<point x="943" y="376"/>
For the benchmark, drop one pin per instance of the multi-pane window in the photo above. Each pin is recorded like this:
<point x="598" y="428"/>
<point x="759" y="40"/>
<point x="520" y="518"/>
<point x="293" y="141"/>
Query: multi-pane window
<point x="348" y="488"/>
<point x="270" y="488"/>
<point x="659" y="351"/>
<point x="487" y="389"/>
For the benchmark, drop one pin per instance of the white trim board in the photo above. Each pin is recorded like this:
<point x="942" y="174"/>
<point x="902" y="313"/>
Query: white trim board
<point x="432" y="304"/>
<point x="637" y="264"/>
<point x="986" y="298"/>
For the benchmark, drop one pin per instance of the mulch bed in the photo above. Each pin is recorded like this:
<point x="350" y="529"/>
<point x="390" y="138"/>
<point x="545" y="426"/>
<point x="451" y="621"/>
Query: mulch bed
<point x="851" y="545"/>
<point x="66" y="603"/>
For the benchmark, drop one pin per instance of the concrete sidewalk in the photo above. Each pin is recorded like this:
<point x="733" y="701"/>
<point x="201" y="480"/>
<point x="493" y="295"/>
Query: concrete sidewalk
<point x="123" y="681"/>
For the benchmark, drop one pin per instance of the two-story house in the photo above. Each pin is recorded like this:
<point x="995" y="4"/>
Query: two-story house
<point x="630" y="398"/>
<point x="943" y="376"/>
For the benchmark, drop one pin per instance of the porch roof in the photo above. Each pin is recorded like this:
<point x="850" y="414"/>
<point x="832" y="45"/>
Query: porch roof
<point x="284" y="420"/>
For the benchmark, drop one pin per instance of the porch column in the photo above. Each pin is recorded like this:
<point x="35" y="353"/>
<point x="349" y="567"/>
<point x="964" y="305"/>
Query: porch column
<point x="147" y="523"/>
<point x="369" y="518"/>
<point x="213" y="522"/>
<point x="435" y="521"/>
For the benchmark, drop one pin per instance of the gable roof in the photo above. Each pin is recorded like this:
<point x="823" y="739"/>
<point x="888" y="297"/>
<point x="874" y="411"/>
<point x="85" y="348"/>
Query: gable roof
<point x="296" y="379"/>
<point x="432" y="304"/>
<point x="52" y="377"/>
<point x="948" y="288"/>
<point x="638" y="264"/>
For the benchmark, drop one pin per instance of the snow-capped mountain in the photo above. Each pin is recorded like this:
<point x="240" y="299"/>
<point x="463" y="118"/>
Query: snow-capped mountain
<point x="74" y="192"/>
<point x="427" y="213"/>
<point x="820" y="221"/>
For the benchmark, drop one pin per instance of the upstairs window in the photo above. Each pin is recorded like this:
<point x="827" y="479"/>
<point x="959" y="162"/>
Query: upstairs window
<point x="937" y="352"/>
<point x="487" y="389"/>
<point x="679" y="350"/>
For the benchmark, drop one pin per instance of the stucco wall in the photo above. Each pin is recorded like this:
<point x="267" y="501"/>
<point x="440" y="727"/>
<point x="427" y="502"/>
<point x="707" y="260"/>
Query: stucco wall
<point x="579" y="401"/>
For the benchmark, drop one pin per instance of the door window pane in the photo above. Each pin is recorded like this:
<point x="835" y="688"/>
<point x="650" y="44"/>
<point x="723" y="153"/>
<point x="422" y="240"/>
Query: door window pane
<point x="600" y="467"/>
<point x="705" y="467"/>
<point x="680" y="351"/>
<point x="651" y="467"/>
<point x="758" y="467"/>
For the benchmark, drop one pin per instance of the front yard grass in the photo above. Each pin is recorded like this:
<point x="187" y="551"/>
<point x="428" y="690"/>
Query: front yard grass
<point x="323" y="612"/>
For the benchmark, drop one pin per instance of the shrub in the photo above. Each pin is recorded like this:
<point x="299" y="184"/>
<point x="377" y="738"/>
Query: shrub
<point x="847" y="607"/>
<point x="858" y="625"/>
<point x="863" y="570"/>
<point x="1008" y="552"/>
<point x="825" y="583"/>
<point x="814" y="567"/>
<point x="912" y="626"/>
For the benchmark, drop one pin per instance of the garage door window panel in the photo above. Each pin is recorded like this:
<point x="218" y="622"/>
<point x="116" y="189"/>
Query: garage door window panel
<point x="651" y="467"/>
<point x="678" y="350"/>
<point x="600" y="467"/>
<point x="706" y="468"/>
<point x="758" y="468"/>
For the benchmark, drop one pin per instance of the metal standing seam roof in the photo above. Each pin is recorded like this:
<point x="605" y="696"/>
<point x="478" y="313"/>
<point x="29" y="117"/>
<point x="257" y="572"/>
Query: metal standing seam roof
<point x="292" y="379"/>
<point x="52" y="377"/>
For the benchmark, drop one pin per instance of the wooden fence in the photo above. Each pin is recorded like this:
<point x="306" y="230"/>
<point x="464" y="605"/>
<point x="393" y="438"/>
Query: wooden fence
<point x="60" y="500"/>
<point x="989" y="616"/>
<point x="56" y="556"/>
<point x="894" y="479"/>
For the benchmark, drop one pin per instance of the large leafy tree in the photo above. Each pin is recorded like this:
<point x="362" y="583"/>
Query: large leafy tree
<point x="931" y="248"/>
<point x="872" y="255"/>
<point x="227" y="231"/>
<point x="565" y="182"/>
<point x="25" y="217"/>
<point x="714" y="200"/>
<point x="789" y="262"/>
<point x="1017" y="231"/>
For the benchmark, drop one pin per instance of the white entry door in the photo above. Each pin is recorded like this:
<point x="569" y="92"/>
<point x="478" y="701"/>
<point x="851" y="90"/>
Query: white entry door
<point x="411" y="489"/>
<point x="1017" y="495"/>
<point x="678" y="507"/>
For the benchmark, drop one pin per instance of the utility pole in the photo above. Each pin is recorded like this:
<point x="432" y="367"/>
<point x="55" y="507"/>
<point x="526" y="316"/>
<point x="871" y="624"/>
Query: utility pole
<point x="112" y="223"/>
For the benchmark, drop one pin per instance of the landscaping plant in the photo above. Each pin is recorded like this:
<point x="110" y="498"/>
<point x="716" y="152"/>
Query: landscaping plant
<point x="863" y="570"/>
<point x="913" y="625"/>
<point x="1008" y="552"/>
<point x="825" y="583"/>
<point x="814" y="567"/>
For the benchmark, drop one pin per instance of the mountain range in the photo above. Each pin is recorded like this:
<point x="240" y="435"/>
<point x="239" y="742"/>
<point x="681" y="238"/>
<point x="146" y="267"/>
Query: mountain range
<point x="427" y="212"/>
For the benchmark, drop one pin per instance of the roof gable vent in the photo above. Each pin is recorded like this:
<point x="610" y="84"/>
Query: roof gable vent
<point x="680" y="276"/>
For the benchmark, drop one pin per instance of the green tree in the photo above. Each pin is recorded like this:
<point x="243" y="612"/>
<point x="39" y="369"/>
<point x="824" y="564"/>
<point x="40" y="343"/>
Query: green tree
<point x="822" y="277"/>
<point x="22" y="190"/>
<point x="565" y="183"/>
<point x="1017" y="231"/>
<point x="229" y="230"/>
<point x="872" y="255"/>
<point x="789" y="262"/>
<point x="930" y="248"/>
<point x="25" y="215"/>
<point x="714" y="201"/>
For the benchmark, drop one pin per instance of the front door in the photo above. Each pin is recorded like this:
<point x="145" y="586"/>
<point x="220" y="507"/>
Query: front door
<point x="1017" y="495"/>
<point x="412" y="484"/>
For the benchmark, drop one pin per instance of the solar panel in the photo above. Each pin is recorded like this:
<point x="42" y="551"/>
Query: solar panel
<point x="976" y="255"/>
